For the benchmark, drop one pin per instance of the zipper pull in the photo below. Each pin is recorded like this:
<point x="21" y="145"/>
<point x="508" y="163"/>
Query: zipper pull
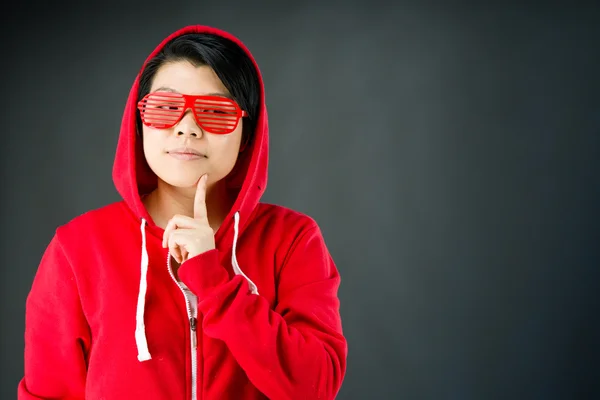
<point x="193" y="322"/>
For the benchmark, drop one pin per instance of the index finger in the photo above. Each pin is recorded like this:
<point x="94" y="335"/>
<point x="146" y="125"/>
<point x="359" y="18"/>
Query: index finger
<point x="200" y="199"/>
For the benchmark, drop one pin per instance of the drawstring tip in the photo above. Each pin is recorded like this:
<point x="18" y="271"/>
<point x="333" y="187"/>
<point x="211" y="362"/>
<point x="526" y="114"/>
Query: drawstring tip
<point x="144" y="357"/>
<point x="253" y="288"/>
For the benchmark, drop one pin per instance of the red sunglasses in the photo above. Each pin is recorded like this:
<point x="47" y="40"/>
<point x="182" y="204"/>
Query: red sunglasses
<point x="214" y="114"/>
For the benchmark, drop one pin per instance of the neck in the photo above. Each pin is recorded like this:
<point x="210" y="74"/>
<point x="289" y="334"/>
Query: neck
<point x="166" y="201"/>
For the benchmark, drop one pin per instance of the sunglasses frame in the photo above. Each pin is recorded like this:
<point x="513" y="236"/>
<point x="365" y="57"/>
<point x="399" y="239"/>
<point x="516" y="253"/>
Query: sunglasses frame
<point x="190" y="103"/>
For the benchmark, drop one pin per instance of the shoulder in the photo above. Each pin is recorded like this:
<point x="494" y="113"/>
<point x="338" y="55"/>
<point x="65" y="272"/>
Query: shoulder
<point x="283" y="227"/>
<point x="273" y="215"/>
<point x="94" y="221"/>
<point x="297" y="240"/>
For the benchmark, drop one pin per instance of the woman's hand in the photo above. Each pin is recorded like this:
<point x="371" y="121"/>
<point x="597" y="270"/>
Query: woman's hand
<point x="187" y="237"/>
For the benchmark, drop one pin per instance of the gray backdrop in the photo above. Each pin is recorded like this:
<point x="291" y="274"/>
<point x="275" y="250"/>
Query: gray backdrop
<point x="450" y="155"/>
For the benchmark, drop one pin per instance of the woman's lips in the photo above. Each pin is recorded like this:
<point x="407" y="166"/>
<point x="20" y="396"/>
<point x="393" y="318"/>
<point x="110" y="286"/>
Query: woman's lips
<point x="186" y="154"/>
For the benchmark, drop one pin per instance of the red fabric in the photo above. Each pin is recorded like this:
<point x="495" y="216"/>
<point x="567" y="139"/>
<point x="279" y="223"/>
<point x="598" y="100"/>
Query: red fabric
<point x="284" y="343"/>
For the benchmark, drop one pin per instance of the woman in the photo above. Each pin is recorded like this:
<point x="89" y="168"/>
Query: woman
<point x="188" y="288"/>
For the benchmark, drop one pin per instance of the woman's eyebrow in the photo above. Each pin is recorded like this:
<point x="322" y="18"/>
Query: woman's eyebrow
<point x="168" y="89"/>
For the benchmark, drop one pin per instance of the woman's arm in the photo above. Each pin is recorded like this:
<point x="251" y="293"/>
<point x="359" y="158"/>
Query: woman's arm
<point x="56" y="332"/>
<point x="297" y="350"/>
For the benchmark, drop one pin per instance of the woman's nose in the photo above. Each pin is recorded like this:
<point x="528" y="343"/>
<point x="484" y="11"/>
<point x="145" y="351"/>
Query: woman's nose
<point x="187" y="125"/>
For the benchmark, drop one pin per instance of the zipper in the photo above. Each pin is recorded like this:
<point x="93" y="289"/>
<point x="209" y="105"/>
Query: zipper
<point x="193" y="320"/>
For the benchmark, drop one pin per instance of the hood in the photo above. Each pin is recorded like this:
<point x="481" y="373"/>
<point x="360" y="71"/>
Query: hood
<point x="133" y="178"/>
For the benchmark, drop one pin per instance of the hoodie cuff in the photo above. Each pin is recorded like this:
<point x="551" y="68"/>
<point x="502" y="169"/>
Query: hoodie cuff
<point x="203" y="273"/>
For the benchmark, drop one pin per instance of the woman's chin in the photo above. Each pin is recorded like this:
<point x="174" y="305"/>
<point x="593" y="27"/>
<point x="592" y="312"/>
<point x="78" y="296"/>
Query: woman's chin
<point x="182" y="182"/>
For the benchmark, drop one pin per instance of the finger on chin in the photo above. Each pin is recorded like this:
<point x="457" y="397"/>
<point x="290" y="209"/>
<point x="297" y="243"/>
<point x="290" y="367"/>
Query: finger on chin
<point x="200" y="199"/>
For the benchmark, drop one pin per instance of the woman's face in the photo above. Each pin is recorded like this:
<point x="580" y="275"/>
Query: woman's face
<point x="166" y="149"/>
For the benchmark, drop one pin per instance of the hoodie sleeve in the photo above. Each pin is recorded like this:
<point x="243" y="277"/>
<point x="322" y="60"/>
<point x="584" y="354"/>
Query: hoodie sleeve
<point x="295" y="351"/>
<point x="56" y="332"/>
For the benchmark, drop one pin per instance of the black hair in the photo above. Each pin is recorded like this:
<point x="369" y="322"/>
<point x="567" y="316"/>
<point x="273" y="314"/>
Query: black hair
<point x="229" y="61"/>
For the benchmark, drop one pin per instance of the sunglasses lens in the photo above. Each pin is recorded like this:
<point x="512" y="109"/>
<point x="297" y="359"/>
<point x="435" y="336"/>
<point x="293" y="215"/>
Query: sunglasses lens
<point x="217" y="114"/>
<point x="161" y="110"/>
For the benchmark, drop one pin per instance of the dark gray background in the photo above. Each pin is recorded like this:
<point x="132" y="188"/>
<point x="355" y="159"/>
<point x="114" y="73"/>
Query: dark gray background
<point x="449" y="153"/>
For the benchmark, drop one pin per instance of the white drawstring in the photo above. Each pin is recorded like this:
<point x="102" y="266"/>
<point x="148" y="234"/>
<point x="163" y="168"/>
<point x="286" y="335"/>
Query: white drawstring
<point x="140" y="328"/>
<point x="234" y="263"/>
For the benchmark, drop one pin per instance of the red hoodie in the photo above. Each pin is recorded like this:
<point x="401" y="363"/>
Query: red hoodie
<point x="105" y="319"/>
